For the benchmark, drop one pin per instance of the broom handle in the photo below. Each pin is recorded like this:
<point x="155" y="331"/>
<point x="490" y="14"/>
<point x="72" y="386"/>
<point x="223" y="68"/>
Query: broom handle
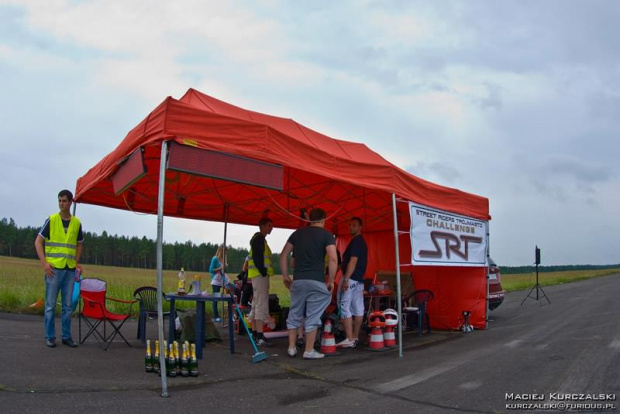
<point x="242" y="320"/>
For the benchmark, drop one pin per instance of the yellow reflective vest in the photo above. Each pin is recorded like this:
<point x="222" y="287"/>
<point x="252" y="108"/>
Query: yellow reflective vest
<point x="252" y="269"/>
<point x="61" y="247"/>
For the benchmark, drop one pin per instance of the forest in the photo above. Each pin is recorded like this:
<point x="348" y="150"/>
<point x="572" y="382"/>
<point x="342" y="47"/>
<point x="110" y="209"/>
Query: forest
<point x="122" y="251"/>
<point x="114" y="250"/>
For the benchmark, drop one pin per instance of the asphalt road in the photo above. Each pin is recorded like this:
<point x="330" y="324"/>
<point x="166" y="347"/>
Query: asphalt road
<point x="571" y="346"/>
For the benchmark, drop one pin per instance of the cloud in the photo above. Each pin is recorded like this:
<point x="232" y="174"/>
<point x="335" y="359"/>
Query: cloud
<point x="566" y="166"/>
<point x="6" y="52"/>
<point x="565" y="178"/>
<point x="156" y="41"/>
<point x="516" y="101"/>
<point x="437" y="171"/>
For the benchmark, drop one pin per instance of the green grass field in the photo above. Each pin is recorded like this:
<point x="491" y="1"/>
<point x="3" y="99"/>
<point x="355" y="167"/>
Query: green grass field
<point x="527" y="280"/>
<point x="22" y="284"/>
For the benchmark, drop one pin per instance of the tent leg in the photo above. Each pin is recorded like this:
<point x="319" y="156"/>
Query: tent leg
<point x="160" y="232"/>
<point x="226" y="207"/>
<point x="398" y="291"/>
<point x="486" y="309"/>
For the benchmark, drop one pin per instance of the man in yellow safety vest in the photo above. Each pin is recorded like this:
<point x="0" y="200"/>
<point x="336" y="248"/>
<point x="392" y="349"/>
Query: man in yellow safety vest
<point x="260" y="269"/>
<point x="59" y="247"/>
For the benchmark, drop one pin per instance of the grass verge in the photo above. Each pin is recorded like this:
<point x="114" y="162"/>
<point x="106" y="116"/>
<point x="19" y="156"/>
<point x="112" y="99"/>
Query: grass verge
<point x="528" y="280"/>
<point x="22" y="284"/>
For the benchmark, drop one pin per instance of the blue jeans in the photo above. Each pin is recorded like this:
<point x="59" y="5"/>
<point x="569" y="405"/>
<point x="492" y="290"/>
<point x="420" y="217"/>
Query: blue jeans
<point x="216" y="289"/>
<point x="62" y="282"/>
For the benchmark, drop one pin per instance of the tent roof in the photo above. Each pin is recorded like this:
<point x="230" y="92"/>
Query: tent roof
<point x="344" y="178"/>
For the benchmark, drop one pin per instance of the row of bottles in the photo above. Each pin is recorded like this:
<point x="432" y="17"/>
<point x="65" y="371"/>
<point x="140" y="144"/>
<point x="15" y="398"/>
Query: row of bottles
<point x="180" y="360"/>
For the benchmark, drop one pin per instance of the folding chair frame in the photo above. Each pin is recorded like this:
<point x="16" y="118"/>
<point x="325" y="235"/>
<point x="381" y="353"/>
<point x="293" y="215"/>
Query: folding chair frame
<point x="93" y="323"/>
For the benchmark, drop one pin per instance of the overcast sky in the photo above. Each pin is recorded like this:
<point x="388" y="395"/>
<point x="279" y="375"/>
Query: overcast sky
<point x="517" y="101"/>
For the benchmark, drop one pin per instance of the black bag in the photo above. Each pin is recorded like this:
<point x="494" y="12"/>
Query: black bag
<point x="274" y="303"/>
<point x="283" y="317"/>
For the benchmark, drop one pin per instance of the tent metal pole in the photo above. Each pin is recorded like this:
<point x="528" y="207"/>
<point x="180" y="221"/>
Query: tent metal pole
<point x="163" y="160"/>
<point x="226" y="207"/>
<point x="398" y="291"/>
<point x="486" y="310"/>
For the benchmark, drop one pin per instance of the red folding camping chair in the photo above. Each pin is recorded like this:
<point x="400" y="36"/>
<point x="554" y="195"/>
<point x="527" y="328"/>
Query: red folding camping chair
<point x="94" y="313"/>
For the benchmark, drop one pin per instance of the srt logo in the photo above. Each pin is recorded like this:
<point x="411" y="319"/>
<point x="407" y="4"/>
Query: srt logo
<point x="453" y="245"/>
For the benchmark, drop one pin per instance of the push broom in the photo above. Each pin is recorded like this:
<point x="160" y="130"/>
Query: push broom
<point x="258" y="356"/>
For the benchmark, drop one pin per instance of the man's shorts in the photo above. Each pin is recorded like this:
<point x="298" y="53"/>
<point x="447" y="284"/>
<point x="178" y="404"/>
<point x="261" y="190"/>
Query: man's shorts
<point x="352" y="300"/>
<point x="260" y="299"/>
<point x="309" y="299"/>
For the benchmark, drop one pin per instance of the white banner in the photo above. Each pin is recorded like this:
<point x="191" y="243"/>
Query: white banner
<point x="439" y="238"/>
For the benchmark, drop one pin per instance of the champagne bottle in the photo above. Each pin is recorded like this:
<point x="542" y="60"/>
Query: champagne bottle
<point x="166" y="362"/>
<point x="156" y="366"/>
<point x="171" y="362"/>
<point x="184" y="368"/>
<point x="177" y="359"/>
<point x="148" y="358"/>
<point x="193" y="366"/>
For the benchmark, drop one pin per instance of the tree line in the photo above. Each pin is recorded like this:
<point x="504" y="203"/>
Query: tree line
<point x="122" y="251"/>
<point x="513" y="270"/>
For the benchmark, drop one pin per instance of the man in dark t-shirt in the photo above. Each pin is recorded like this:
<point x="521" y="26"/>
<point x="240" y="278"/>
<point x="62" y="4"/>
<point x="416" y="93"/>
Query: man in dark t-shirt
<point x="310" y="292"/>
<point x="352" y="300"/>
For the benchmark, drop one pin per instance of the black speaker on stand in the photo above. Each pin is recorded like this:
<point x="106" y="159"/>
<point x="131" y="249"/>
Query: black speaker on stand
<point x="537" y="285"/>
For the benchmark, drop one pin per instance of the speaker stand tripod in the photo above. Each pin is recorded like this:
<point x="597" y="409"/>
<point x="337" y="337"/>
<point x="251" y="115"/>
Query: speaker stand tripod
<point x="538" y="288"/>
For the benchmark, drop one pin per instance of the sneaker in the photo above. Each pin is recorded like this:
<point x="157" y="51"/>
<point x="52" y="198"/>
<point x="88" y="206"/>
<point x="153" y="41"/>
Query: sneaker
<point x="264" y="342"/>
<point x="69" y="342"/>
<point x="346" y="344"/>
<point x="314" y="354"/>
<point x="292" y="352"/>
<point x="218" y="319"/>
<point x="50" y="343"/>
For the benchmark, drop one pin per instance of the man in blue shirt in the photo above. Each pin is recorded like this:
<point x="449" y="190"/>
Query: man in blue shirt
<point x="352" y="300"/>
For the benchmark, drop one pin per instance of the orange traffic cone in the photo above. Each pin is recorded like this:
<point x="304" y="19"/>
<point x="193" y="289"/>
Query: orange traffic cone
<point x="391" y="321"/>
<point x="328" y="340"/>
<point x="376" y="338"/>
<point x="389" y="338"/>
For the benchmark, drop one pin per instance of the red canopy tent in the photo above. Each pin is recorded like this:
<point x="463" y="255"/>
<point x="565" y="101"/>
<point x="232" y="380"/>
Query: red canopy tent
<point x="318" y="170"/>
<point x="343" y="178"/>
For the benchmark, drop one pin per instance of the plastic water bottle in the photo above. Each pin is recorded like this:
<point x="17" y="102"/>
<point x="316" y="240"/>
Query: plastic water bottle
<point x="197" y="283"/>
<point x="181" y="289"/>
